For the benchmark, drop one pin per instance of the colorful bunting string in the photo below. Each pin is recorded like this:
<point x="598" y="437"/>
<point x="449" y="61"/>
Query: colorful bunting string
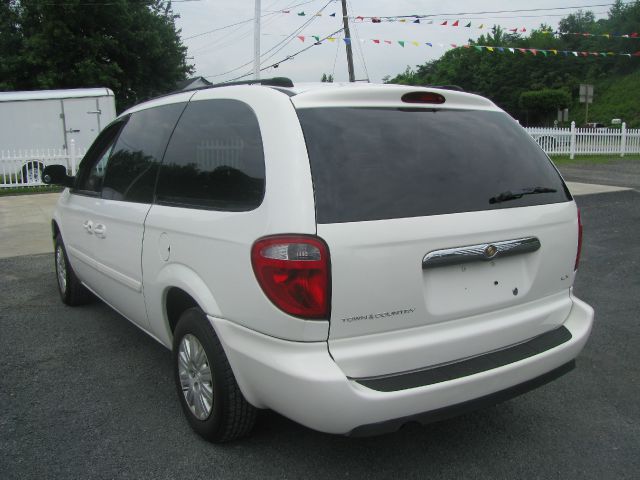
<point x="456" y="23"/>
<point x="489" y="48"/>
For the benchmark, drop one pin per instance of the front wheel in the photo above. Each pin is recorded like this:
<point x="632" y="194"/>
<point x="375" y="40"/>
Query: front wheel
<point x="71" y="290"/>
<point x="208" y="391"/>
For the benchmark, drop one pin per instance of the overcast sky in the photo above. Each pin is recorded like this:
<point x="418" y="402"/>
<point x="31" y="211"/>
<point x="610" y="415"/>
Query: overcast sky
<point x="227" y="50"/>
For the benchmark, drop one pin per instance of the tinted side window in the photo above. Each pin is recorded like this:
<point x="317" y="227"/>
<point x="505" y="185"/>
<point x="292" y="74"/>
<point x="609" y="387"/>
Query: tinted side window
<point x="133" y="165"/>
<point x="215" y="158"/>
<point x="94" y="163"/>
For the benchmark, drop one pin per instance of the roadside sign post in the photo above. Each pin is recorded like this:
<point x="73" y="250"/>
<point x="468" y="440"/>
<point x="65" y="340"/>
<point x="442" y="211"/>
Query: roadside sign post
<point x="586" y="97"/>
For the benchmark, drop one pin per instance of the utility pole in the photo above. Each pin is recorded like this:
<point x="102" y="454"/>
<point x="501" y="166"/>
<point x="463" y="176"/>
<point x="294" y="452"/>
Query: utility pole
<point x="256" y="42"/>
<point x="347" y="34"/>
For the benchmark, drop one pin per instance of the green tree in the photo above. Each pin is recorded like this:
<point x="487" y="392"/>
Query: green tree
<point x="130" y="46"/>
<point x="540" y="104"/>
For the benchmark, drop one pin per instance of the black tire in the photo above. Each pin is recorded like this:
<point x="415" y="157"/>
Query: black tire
<point x="32" y="172"/>
<point x="231" y="416"/>
<point x="72" y="292"/>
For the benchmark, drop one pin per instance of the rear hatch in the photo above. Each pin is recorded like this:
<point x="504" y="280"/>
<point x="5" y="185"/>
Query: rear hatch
<point x="451" y="233"/>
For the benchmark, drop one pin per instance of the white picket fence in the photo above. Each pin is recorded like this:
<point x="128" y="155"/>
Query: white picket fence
<point x="22" y="168"/>
<point x="587" y="141"/>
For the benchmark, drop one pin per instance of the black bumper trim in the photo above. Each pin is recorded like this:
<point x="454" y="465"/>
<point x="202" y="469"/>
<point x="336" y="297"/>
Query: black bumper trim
<point x="469" y="366"/>
<point x="445" y="413"/>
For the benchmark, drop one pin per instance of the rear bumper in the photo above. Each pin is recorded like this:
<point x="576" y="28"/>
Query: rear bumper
<point x="301" y="381"/>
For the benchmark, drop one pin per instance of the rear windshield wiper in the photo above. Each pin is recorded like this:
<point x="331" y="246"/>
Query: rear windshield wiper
<point x="509" y="195"/>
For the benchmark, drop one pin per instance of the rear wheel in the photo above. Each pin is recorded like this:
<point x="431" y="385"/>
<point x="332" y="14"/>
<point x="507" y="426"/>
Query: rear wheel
<point x="208" y="391"/>
<point x="72" y="292"/>
<point x="32" y="173"/>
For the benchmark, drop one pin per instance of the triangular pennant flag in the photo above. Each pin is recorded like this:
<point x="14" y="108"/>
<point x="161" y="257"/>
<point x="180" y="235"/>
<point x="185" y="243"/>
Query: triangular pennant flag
<point x="565" y="53"/>
<point x="468" y="25"/>
<point x="401" y="42"/>
<point x="478" y="47"/>
<point x="584" y="54"/>
<point x="376" y="41"/>
<point x="417" y="44"/>
<point x="523" y="29"/>
<point x="481" y="25"/>
<point x="331" y="39"/>
<point x="455" y="24"/>
<point x="534" y="51"/>
<point x="403" y="20"/>
<point x="544" y="52"/>
<point x="333" y="14"/>
<point x="444" y="23"/>
<point x="466" y="45"/>
<point x="575" y="54"/>
<point x="347" y="41"/>
<point x="430" y="44"/>
<point x="490" y="49"/>
<point x="555" y="52"/>
<point x="301" y="14"/>
<point x="301" y="37"/>
<point x="316" y="37"/>
<point x="360" y="18"/>
<point x="634" y="35"/>
<point x="318" y="14"/>
<point x="453" y="45"/>
<point x="286" y="11"/>
<point x="376" y="20"/>
<point x="512" y="50"/>
<point x="417" y="20"/>
<point x="513" y="30"/>
<point x="388" y="42"/>
<point x="500" y="49"/>
<point x="523" y="50"/>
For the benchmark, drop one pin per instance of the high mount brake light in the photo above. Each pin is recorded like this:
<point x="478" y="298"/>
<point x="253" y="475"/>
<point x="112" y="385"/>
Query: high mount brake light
<point x="579" y="242"/>
<point x="423" y="97"/>
<point x="293" y="272"/>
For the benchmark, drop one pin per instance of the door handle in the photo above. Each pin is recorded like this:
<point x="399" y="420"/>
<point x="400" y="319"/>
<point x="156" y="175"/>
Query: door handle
<point x="100" y="230"/>
<point x="88" y="226"/>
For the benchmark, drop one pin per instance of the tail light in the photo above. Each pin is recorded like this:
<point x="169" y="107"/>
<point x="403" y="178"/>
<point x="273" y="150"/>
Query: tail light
<point x="579" y="241"/>
<point x="293" y="272"/>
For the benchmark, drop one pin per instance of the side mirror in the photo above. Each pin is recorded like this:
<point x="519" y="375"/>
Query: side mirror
<point x="57" y="175"/>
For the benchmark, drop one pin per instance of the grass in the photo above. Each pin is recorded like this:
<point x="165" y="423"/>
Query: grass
<point x="590" y="159"/>
<point x="5" y="192"/>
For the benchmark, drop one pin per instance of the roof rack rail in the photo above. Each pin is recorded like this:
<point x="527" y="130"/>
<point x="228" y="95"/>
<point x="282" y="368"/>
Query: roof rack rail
<point x="268" y="82"/>
<point x="457" y="88"/>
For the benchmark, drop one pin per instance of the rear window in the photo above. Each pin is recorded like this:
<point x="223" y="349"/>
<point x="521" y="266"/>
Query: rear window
<point x="381" y="163"/>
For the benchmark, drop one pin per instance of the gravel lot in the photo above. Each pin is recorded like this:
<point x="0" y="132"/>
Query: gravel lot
<point x="84" y="394"/>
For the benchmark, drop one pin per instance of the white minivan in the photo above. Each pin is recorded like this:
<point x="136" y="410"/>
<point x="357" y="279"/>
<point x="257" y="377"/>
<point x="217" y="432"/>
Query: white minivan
<point x="354" y="257"/>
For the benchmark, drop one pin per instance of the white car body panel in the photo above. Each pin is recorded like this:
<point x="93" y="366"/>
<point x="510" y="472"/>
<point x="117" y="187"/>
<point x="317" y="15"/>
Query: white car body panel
<point x="216" y="245"/>
<point x="388" y="315"/>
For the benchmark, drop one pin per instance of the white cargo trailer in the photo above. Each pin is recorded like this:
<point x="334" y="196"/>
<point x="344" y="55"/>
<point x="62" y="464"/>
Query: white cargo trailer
<point x="50" y="121"/>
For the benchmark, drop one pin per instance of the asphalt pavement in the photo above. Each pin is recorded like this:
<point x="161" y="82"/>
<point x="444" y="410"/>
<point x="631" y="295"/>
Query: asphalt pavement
<point x="84" y="394"/>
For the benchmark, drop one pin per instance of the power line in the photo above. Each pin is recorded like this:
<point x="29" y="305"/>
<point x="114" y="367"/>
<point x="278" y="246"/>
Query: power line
<point x="288" y="57"/>
<point x="499" y="11"/>
<point x="241" y="21"/>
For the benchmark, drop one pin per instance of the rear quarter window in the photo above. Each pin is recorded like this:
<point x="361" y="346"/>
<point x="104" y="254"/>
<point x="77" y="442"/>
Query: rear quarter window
<point x="215" y="158"/>
<point x="381" y="163"/>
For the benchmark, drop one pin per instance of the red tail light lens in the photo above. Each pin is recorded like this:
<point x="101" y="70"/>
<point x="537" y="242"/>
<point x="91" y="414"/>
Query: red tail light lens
<point x="423" y="97"/>
<point x="293" y="272"/>
<point x="579" y="241"/>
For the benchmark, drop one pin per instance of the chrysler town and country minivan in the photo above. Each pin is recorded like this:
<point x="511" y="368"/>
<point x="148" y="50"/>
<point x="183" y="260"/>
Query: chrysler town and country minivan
<point x="354" y="257"/>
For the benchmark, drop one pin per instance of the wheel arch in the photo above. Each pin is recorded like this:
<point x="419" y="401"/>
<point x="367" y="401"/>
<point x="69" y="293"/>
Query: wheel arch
<point x="182" y="288"/>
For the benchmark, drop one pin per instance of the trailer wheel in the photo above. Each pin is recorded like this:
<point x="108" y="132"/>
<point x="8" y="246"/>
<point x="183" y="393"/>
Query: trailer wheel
<point x="32" y="172"/>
